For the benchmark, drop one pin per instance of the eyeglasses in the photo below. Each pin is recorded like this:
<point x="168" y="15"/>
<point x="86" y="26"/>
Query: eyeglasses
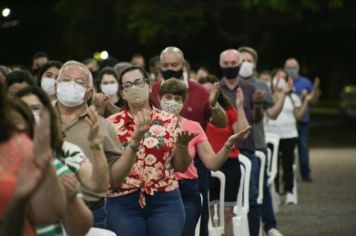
<point x="137" y="82"/>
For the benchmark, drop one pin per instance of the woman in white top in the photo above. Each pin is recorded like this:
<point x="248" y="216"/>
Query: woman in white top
<point x="285" y="126"/>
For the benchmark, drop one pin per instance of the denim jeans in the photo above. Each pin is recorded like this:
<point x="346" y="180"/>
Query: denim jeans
<point x="254" y="214"/>
<point x="204" y="179"/>
<point x="100" y="217"/>
<point x="189" y="190"/>
<point x="303" y="148"/>
<point x="267" y="213"/>
<point x="163" y="215"/>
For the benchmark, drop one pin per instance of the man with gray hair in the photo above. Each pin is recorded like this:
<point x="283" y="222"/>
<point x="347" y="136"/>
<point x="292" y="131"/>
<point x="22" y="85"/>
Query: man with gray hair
<point x="74" y="89"/>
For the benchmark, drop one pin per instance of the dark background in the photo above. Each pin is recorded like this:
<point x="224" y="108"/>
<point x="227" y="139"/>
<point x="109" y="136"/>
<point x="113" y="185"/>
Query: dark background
<point x="321" y="34"/>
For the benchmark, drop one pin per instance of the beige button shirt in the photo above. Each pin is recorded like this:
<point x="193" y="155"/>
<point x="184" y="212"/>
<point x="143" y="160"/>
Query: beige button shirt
<point x="77" y="133"/>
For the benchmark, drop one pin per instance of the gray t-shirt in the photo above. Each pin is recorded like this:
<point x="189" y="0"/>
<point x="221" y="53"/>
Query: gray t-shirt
<point x="258" y="129"/>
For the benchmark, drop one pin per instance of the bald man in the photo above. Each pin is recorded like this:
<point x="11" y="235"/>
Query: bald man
<point x="303" y="87"/>
<point x="200" y="106"/>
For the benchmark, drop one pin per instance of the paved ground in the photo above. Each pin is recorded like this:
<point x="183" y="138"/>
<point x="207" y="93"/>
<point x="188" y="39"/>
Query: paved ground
<point x="328" y="205"/>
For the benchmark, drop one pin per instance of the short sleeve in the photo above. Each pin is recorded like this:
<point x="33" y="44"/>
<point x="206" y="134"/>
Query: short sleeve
<point x="112" y="146"/>
<point x="201" y="136"/>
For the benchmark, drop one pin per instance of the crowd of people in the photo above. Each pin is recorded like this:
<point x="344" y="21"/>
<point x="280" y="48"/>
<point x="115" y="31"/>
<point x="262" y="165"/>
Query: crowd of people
<point x="113" y="146"/>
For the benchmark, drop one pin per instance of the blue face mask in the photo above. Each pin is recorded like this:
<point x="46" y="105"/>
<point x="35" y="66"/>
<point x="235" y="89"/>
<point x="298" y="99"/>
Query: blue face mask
<point x="293" y="72"/>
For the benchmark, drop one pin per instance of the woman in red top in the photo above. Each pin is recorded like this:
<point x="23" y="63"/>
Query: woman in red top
<point x="23" y="166"/>
<point x="148" y="202"/>
<point x="217" y="138"/>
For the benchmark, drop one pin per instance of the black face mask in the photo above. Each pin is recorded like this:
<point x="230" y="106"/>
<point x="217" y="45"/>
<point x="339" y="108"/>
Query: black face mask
<point x="167" y="74"/>
<point x="230" y="72"/>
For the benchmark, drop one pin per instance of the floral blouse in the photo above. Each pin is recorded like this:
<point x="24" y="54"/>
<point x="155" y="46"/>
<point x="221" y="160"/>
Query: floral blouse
<point x="152" y="171"/>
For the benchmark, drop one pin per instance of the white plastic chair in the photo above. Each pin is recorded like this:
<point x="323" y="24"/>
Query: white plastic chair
<point x="219" y="230"/>
<point x="240" y="221"/>
<point x="272" y="141"/>
<point x="260" y="155"/>
<point x="100" y="232"/>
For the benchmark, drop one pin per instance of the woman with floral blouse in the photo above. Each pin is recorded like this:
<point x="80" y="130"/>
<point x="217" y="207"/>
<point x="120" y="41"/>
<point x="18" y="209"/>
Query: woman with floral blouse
<point x="148" y="201"/>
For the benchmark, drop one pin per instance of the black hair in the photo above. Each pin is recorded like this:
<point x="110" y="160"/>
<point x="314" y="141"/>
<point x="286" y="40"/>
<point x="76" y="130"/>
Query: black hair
<point x="56" y="134"/>
<point x="19" y="76"/>
<point x="131" y="68"/>
<point x="39" y="55"/>
<point x="222" y="99"/>
<point x="21" y="107"/>
<point x="7" y="125"/>
<point x="45" y="67"/>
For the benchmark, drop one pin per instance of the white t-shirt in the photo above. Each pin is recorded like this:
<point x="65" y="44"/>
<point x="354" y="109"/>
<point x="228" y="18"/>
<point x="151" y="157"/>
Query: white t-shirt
<point x="285" y="124"/>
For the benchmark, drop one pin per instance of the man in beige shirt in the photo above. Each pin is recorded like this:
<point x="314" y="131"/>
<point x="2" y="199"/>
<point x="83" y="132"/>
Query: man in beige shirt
<point x="74" y="89"/>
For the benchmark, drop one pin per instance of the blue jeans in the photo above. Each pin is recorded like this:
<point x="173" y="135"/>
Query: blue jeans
<point x="303" y="148"/>
<point x="204" y="179"/>
<point x="189" y="190"/>
<point x="267" y="213"/>
<point x="100" y="217"/>
<point x="254" y="214"/>
<point x="163" y="215"/>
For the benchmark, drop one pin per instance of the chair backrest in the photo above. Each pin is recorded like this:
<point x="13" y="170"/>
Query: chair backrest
<point x="262" y="157"/>
<point x="269" y="161"/>
<point x="245" y="185"/>
<point x="220" y="175"/>
<point x="272" y="141"/>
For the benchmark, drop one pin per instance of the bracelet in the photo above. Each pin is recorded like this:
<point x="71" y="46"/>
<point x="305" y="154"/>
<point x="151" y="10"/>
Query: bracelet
<point x="214" y="107"/>
<point x="182" y="146"/>
<point x="229" y="148"/>
<point x="134" y="147"/>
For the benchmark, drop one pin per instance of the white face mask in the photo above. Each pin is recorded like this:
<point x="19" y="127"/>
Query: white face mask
<point x="171" y="106"/>
<point x="281" y="83"/>
<point x="70" y="94"/>
<point x="48" y="85"/>
<point x="109" y="89"/>
<point x="246" y="69"/>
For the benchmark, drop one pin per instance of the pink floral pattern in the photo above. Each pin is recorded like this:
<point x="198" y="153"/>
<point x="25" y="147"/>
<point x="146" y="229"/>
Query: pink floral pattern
<point x="152" y="171"/>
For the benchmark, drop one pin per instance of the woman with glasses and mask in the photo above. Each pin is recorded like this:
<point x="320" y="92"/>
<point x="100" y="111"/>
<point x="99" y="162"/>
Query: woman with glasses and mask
<point x="148" y="202"/>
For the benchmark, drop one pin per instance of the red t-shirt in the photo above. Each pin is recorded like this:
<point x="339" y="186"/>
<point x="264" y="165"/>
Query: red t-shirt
<point x="218" y="136"/>
<point x="196" y="107"/>
<point x="12" y="154"/>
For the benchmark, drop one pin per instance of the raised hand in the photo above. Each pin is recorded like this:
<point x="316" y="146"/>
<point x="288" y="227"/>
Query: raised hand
<point x="239" y="101"/>
<point x="92" y="120"/>
<point x="142" y="121"/>
<point x="239" y="136"/>
<point x="288" y="88"/>
<point x="101" y="102"/>
<point x="259" y="96"/>
<point x="214" y="94"/>
<point x="42" y="150"/>
<point x="71" y="186"/>
<point x="184" y="137"/>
